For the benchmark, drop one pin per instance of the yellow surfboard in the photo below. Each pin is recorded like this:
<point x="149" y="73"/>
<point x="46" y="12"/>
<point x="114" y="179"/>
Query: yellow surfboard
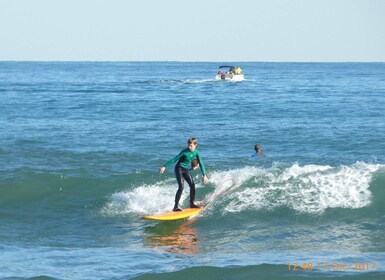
<point x="170" y="216"/>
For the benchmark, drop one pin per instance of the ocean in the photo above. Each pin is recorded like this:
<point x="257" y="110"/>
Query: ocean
<point x="82" y="144"/>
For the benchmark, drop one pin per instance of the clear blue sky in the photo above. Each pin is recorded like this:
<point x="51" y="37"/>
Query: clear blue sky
<point x="199" y="30"/>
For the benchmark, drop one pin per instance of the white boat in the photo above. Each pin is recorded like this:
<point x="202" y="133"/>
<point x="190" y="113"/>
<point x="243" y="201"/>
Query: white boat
<point x="230" y="73"/>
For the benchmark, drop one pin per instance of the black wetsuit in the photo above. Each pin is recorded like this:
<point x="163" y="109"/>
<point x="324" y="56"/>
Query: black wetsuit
<point x="182" y="172"/>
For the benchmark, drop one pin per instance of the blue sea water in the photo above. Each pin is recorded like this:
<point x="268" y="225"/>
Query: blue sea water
<point x="81" y="144"/>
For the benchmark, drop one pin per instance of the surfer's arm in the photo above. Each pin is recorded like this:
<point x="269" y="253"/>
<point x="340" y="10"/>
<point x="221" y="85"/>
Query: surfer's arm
<point x="203" y="169"/>
<point x="171" y="162"/>
<point x="201" y="165"/>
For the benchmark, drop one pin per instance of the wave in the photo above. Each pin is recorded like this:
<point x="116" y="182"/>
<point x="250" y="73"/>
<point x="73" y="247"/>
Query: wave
<point x="310" y="189"/>
<point x="153" y="198"/>
<point x="262" y="271"/>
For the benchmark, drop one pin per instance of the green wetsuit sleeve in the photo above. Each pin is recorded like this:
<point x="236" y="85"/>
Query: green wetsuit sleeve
<point x="174" y="159"/>
<point x="201" y="164"/>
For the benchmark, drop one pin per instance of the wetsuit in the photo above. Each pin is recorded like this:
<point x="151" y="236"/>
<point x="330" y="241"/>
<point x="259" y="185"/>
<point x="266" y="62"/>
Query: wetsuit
<point x="182" y="173"/>
<point x="255" y="156"/>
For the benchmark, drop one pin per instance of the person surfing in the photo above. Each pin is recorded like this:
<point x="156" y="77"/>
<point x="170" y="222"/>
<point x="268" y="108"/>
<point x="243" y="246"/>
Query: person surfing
<point x="182" y="171"/>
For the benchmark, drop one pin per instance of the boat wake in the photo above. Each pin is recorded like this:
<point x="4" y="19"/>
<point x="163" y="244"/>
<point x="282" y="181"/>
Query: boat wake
<point x="188" y="81"/>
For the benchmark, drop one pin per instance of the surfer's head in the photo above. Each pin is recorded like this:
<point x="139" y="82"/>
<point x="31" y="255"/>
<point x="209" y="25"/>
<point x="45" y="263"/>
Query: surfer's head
<point x="194" y="163"/>
<point x="192" y="144"/>
<point x="258" y="148"/>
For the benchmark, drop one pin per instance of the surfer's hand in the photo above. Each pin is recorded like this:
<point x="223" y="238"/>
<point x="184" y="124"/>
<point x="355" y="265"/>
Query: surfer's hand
<point x="162" y="169"/>
<point x="205" y="179"/>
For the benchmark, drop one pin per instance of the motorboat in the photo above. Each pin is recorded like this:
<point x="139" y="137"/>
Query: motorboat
<point x="230" y="73"/>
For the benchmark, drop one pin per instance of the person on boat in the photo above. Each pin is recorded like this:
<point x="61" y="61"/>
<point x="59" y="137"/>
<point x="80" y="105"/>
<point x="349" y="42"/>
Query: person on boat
<point x="238" y="71"/>
<point x="258" y="152"/>
<point x="183" y="160"/>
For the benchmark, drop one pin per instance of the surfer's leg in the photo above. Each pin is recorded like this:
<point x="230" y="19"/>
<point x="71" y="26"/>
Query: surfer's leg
<point x="179" y="178"/>
<point x="190" y="181"/>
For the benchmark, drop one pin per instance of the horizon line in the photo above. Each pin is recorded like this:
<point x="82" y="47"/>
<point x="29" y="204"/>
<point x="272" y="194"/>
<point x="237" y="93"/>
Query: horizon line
<point x="194" y="61"/>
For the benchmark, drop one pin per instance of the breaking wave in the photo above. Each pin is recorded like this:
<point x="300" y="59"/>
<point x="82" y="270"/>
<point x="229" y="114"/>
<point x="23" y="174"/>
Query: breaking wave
<point x="304" y="189"/>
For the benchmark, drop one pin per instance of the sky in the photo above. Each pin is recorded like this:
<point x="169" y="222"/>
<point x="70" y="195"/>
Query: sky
<point x="199" y="30"/>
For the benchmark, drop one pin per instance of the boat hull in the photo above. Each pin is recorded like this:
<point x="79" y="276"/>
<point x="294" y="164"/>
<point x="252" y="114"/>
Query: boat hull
<point x="230" y="77"/>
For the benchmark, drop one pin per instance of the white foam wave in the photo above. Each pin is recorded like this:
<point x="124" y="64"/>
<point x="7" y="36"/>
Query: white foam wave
<point x="229" y="181"/>
<point x="309" y="189"/>
<point x="144" y="199"/>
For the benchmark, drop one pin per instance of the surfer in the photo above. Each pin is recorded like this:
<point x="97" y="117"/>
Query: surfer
<point x="184" y="159"/>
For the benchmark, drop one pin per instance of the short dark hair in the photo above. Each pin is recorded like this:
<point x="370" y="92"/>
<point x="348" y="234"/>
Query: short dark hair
<point x="192" y="140"/>
<point x="194" y="162"/>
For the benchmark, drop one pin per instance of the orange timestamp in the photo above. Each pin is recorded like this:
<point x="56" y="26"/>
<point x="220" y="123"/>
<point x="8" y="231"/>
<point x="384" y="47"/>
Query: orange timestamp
<point x="332" y="266"/>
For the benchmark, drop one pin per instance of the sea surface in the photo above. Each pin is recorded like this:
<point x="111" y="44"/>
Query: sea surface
<point x="81" y="144"/>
